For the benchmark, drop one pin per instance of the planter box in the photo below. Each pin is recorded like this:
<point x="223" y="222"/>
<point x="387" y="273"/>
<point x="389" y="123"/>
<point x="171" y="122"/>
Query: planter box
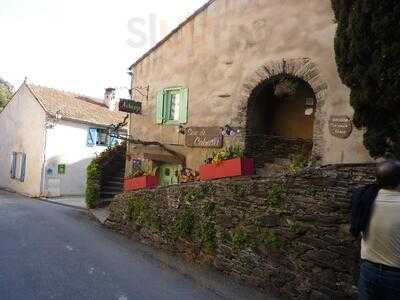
<point x="227" y="168"/>
<point x="140" y="183"/>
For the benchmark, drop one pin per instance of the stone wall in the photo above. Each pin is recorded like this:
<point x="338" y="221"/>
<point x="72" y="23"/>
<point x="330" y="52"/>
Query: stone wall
<point x="288" y="234"/>
<point x="272" y="149"/>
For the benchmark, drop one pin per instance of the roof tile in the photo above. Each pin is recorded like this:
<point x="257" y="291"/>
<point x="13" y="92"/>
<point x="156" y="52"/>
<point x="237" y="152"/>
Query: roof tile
<point x="75" y="107"/>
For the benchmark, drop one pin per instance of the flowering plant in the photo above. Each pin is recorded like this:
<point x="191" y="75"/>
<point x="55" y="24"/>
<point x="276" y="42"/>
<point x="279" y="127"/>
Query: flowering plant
<point x="188" y="175"/>
<point x="142" y="168"/>
<point x="226" y="153"/>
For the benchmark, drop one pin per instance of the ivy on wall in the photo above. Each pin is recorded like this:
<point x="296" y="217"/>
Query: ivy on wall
<point x="196" y="219"/>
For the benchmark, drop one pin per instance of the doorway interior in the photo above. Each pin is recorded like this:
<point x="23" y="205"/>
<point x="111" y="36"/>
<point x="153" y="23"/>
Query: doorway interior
<point x="280" y="122"/>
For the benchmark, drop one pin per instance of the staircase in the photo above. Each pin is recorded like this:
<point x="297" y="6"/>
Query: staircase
<point x="112" y="186"/>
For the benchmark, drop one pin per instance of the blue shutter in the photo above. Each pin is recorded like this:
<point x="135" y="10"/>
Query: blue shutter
<point x="13" y="165"/>
<point x="92" y="137"/>
<point x="23" y="167"/>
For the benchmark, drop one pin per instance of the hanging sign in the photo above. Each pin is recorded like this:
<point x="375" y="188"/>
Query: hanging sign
<point x="204" y="137"/>
<point x="340" y="126"/>
<point x="130" y="106"/>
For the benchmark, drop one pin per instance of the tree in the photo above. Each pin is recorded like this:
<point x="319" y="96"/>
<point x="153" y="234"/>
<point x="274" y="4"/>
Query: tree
<point x="6" y="91"/>
<point x="367" y="46"/>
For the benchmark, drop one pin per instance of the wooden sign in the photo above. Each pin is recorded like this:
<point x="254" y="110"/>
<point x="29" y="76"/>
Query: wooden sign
<point x="130" y="106"/>
<point x="204" y="137"/>
<point x="340" y="126"/>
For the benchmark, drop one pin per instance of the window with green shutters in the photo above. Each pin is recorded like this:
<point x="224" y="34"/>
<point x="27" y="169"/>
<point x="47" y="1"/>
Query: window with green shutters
<point x="172" y="106"/>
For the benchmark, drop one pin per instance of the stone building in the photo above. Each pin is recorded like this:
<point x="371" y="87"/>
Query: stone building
<point x="261" y="71"/>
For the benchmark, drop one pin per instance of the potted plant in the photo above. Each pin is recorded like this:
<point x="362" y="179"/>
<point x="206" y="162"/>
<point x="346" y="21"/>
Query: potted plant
<point x="229" y="162"/>
<point x="286" y="87"/>
<point x="143" y="176"/>
<point x="188" y="175"/>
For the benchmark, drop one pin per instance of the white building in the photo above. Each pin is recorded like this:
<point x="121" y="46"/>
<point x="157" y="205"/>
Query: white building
<point x="48" y="138"/>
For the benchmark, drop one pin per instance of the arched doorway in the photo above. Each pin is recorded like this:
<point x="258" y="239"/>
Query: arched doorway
<point x="280" y="122"/>
<point x="282" y="112"/>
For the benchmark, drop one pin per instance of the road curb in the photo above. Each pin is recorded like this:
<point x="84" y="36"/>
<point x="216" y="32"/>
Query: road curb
<point x="61" y="204"/>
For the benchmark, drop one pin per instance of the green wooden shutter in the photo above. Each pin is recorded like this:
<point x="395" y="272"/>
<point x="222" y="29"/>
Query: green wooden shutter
<point x="183" y="113"/>
<point x="159" y="107"/>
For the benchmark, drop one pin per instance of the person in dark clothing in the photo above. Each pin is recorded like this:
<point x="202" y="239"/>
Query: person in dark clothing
<point x="379" y="225"/>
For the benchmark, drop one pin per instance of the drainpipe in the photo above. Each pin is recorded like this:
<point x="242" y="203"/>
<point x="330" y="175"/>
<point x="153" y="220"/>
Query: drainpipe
<point x="43" y="175"/>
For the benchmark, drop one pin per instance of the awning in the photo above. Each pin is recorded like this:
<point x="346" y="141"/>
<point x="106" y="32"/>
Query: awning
<point x="157" y="153"/>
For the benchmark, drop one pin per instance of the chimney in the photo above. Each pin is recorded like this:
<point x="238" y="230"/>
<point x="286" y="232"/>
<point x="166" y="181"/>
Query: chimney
<point x="110" y="99"/>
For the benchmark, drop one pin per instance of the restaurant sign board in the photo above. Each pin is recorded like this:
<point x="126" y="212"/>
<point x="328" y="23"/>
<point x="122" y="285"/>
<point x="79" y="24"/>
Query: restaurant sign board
<point x="130" y="106"/>
<point x="340" y="126"/>
<point x="204" y="137"/>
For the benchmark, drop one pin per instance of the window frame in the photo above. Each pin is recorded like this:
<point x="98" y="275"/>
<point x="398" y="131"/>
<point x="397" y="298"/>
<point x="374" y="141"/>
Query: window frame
<point x="109" y="140"/>
<point x="163" y="117"/>
<point x="18" y="166"/>
<point x="167" y="105"/>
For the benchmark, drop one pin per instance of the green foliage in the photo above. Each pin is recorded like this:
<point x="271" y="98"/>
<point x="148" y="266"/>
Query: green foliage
<point x="6" y="91"/>
<point x="227" y="153"/>
<point x="298" y="162"/>
<point x="92" y="192"/>
<point x="238" y="189"/>
<point x="208" y="235"/>
<point x="239" y="237"/>
<point x="99" y="170"/>
<point x="275" y="197"/>
<point x="198" y="193"/>
<point x="141" y="213"/>
<point x="295" y="230"/>
<point x="208" y="231"/>
<point x="137" y="210"/>
<point x="185" y="223"/>
<point x="209" y="209"/>
<point x="367" y="47"/>
<point x="272" y="240"/>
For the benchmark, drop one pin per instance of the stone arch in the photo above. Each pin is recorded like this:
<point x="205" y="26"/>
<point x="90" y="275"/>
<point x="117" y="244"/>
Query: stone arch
<point x="302" y="68"/>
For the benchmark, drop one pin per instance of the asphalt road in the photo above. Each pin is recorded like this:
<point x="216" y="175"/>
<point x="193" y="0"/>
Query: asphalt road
<point x="54" y="252"/>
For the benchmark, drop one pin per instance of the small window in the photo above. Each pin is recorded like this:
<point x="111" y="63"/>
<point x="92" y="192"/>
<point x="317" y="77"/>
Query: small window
<point x="172" y="106"/>
<point x="103" y="137"/>
<point x="100" y="137"/>
<point x="18" y="166"/>
<point x="61" y="169"/>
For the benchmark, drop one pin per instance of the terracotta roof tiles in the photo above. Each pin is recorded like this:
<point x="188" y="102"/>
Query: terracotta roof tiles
<point x="75" y="107"/>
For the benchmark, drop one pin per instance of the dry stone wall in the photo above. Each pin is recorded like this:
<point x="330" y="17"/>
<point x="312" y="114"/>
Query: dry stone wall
<point x="268" y="149"/>
<point x="287" y="234"/>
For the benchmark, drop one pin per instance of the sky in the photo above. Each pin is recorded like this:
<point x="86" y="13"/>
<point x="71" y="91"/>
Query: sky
<point x="82" y="46"/>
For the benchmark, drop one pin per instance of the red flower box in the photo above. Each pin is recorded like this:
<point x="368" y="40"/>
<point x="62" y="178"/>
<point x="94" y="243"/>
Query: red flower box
<point x="227" y="168"/>
<point x="140" y="183"/>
